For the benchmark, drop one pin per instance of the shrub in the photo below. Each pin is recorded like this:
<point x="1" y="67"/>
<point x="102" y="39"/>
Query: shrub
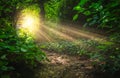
<point x="15" y="49"/>
<point x="102" y="13"/>
<point x="107" y="58"/>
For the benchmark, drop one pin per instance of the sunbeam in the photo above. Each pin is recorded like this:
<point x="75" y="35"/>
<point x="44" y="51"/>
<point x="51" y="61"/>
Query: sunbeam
<point x="74" y="33"/>
<point x="78" y="33"/>
<point x="59" y="34"/>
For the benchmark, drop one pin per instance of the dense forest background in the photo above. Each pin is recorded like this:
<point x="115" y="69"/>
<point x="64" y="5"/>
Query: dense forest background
<point x="98" y="14"/>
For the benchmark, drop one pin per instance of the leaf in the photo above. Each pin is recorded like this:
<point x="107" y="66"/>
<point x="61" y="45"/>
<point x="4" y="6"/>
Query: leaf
<point x="87" y="13"/>
<point x="23" y="50"/>
<point x="4" y="68"/>
<point x="3" y="36"/>
<point x="83" y="2"/>
<point x="77" y="8"/>
<point x="75" y="17"/>
<point x="89" y="19"/>
<point x="3" y="57"/>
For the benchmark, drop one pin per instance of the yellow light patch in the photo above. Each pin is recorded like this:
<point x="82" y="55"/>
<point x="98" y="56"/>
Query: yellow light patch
<point x="30" y="23"/>
<point x="29" y="20"/>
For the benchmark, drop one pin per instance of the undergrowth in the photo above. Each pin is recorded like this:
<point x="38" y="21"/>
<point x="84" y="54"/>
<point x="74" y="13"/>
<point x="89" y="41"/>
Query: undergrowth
<point x="105" y="56"/>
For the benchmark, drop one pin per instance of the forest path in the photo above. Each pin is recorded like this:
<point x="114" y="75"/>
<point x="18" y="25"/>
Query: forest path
<point x="65" y="66"/>
<point x="62" y="65"/>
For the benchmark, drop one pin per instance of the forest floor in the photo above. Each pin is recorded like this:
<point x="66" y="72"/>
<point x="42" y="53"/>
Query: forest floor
<point x="63" y="65"/>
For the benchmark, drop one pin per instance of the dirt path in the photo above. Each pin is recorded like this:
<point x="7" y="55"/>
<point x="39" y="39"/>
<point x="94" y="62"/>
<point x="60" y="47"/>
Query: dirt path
<point x="64" y="66"/>
<point x="69" y="66"/>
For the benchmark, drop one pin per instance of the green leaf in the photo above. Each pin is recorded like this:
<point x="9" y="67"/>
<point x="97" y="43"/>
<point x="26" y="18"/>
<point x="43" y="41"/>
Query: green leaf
<point x="83" y="2"/>
<point x="75" y="17"/>
<point x="3" y="36"/>
<point x="4" y="68"/>
<point x="89" y="19"/>
<point x="87" y="13"/>
<point x="77" y="8"/>
<point x="23" y="50"/>
<point x="3" y="57"/>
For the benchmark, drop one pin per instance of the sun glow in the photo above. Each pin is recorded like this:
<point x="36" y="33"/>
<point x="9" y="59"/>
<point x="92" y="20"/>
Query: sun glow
<point x="29" y="20"/>
<point x="31" y="23"/>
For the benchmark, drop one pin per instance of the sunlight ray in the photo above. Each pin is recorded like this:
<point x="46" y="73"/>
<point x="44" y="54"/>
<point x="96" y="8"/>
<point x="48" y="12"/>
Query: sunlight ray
<point x="64" y="36"/>
<point x="81" y="33"/>
<point x="41" y="35"/>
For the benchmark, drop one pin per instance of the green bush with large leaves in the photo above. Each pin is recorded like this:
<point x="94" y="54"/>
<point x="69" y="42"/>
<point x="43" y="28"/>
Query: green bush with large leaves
<point x="14" y="49"/>
<point x="103" y="14"/>
<point x="106" y="14"/>
<point x="107" y="58"/>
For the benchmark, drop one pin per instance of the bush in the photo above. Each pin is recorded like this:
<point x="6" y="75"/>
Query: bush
<point x="52" y="10"/>
<point x="107" y="58"/>
<point x="81" y="47"/>
<point x="15" y="49"/>
<point x="103" y="13"/>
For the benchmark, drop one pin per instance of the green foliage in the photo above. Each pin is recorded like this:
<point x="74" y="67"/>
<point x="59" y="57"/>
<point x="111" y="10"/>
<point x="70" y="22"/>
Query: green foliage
<point x="104" y="13"/>
<point x="14" y="49"/>
<point x="115" y="37"/>
<point x="81" y="47"/>
<point x="75" y="17"/>
<point x="56" y="10"/>
<point x="66" y="11"/>
<point x="107" y="58"/>
<point x="52" y="10"/>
